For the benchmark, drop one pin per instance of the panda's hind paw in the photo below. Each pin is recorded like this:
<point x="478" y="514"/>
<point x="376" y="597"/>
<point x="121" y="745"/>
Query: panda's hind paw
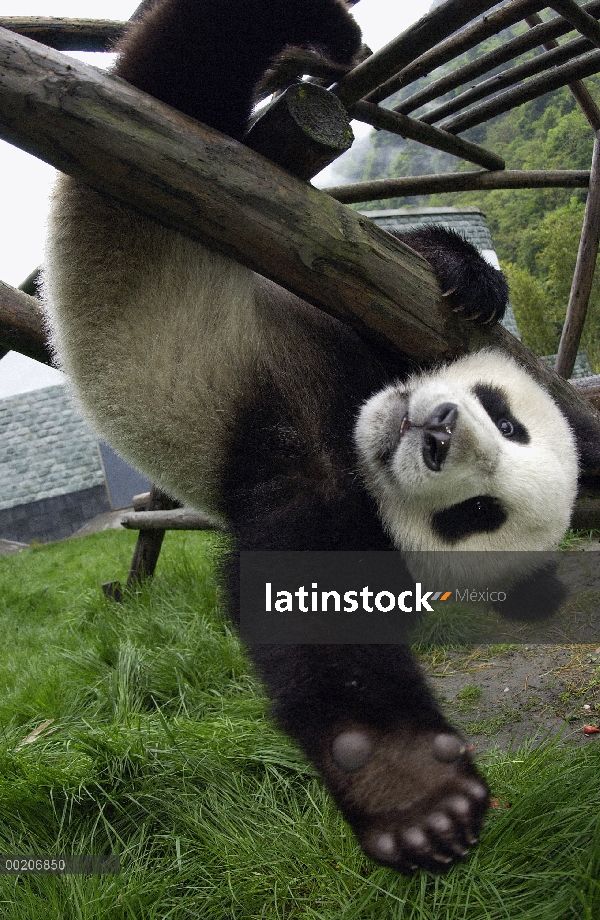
<point x="415" y="802"/>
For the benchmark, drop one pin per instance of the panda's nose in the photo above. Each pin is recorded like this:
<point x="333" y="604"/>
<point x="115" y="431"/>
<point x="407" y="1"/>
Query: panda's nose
<point x="437" y="434"/>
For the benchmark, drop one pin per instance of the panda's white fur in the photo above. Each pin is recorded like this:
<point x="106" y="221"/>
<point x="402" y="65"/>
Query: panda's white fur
<point x="161" y="339"/>
<point x="534" y="482"/>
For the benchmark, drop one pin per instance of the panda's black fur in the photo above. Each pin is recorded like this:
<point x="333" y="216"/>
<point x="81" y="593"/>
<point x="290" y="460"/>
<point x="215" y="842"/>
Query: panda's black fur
<point x="241" y="399"/>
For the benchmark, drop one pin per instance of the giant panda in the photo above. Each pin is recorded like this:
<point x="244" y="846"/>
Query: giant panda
<point x="242" y="400"/>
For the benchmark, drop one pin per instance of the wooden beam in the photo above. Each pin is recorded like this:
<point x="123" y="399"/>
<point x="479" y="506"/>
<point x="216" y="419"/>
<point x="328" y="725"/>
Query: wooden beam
<point x="483" y="63"/>
<point x="584" y="66"/>
<point x="457" y="44"/>
<point x="22" y="325"/>
<point x="379" y="189"/>
<point x="149" y="541"/>
<point x="189" y="177"/>
<point x="416" y="40"/>
<point x="578" y="18"/>
<point x="386" y="120"/>
<point x="509" y="77"/>
<point x="303" y="130"/>
<point x="124" y="143"/>
<point x="584" y="273"/>
<point x="177" y="519"/>
<point x="67" y="34"/>
<point x="577" y="88"/>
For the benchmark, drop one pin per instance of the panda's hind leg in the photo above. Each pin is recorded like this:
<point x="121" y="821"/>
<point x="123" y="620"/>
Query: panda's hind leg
<point x="402" y="776"/>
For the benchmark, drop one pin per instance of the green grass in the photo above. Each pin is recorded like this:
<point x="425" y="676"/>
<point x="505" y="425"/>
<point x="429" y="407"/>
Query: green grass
<point x="161" y="750"/>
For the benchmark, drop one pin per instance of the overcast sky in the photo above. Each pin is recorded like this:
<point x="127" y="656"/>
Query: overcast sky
<point x="25" y="182"/>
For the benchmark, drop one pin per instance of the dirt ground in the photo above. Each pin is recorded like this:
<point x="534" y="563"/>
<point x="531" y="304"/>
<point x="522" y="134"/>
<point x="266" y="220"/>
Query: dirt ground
<point x="502" y="696"/>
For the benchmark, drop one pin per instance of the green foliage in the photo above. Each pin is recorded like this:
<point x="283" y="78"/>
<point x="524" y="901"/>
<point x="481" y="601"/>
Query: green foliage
<point x="540" y="290"/>
<point x="539" y="329"/>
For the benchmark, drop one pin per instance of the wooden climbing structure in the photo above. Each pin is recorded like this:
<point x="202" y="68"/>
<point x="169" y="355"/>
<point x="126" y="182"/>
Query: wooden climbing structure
<point x="93" y="126"/>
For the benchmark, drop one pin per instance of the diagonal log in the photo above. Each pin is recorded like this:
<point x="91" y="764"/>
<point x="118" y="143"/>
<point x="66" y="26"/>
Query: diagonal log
<point x="192" y="178"/>
<point x="67" y="34"/>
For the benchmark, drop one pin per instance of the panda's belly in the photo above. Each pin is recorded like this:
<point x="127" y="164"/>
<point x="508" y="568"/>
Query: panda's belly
<point x="159" y="337"/>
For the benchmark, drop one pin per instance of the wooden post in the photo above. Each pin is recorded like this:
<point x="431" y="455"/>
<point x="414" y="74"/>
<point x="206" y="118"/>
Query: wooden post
<point x="417" y="130"/>
<point x="67" y="34"/>
<point x="171" y="519"/>
<point x="584" y="273"/>
<point x="149" y="541"/>
<point x="147" y="549"/>
<point x="303" y="130"/>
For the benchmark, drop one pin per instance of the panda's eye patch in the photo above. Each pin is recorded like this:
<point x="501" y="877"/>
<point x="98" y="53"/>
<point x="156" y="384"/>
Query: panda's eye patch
<point x="496" y="405"/>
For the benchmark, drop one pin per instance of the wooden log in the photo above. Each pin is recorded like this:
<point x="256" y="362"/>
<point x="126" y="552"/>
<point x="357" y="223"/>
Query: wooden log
<point x="190" y="177"/>
<point x="426" y="134"/>
<point x="380" y="189"/>
<point x="67" y="34"/>
<point x="507" y="78"/>
<point x="32" y="282"/>
<point x="303" y="130"/>
<point x="589" y="388"/>
<point x="584" y="273"/>
<point x="141" y="501"/>
<point x="584" y="66"/>
<point x="578" y="18"/>
<point x="451" y="48"/>
<point x="177" y="519"/>
<point x="22" y="325"/>
<point x="483" y="63"/>
<point x="577" y="88"/>
<point x="416" y="40"/>
<point x="149" y="542"/>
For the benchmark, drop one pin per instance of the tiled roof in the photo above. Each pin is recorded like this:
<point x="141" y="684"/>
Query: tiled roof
<point x="46" y="449"/>
<point x="469" y="221"/>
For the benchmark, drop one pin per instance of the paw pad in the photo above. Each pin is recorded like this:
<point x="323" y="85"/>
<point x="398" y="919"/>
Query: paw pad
<point x="351" y="750"/>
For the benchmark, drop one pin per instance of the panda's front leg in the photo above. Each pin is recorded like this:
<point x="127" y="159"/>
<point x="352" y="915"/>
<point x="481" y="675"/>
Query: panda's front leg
<point x="402" y="776"/>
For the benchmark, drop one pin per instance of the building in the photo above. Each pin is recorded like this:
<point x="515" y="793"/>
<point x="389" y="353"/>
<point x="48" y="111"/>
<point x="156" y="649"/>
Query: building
<point x="54" y="474"/>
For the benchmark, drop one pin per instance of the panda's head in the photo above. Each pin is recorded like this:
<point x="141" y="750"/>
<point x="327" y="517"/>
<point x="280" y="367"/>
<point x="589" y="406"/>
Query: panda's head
<point x="472" y="456"/>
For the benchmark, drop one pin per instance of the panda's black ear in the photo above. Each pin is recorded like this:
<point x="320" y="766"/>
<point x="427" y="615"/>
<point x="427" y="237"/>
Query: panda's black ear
<point x="537" y="597"/>
<point x="474" y="289"/>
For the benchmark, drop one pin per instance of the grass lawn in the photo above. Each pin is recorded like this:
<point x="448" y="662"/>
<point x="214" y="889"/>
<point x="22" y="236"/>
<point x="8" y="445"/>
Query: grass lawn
<point x="161" y="750"/>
